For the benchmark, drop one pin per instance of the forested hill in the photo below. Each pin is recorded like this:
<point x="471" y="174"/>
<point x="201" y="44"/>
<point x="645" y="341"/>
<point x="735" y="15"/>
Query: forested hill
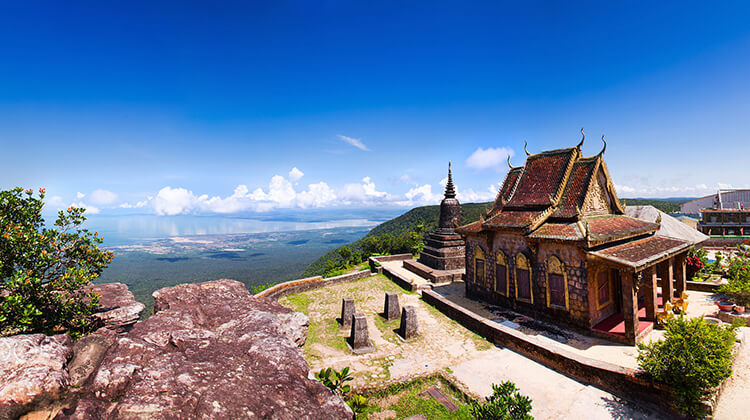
<point x="405" y="223"/>
<point x="429" y="215"/>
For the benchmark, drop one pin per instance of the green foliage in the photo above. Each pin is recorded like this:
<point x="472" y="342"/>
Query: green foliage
<point x="357" y="403"/>
<point x="405" y="235"/>
<point x="738" y="287"/>
<point x="693" y="359"/>
<point x="505" y="403"/>
<point x="261" y="287"/>
<point x="667" y="206"/>
<point x="44" y="271"/>
<point x="334" y="380"/>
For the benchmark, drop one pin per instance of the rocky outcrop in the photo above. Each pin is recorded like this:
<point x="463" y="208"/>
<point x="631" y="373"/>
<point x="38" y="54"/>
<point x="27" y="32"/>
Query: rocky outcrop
<point x="118" y="309"/>
<point x="211" y="350"/>
<point x="32" y="372"/>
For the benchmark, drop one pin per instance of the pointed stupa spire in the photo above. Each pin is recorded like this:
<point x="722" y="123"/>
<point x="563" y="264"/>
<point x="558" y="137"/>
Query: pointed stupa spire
<point x="450" y="190"/>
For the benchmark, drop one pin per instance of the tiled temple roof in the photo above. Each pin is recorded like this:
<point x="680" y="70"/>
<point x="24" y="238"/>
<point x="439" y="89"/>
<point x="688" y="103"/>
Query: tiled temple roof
<point x="642" y="252"/>
<point x="512" y="218"/>
<point x="616" y="227"/>
<point x="561" y="231"/>
<point x="576" y="188"/>
<point x="543" y="176"/>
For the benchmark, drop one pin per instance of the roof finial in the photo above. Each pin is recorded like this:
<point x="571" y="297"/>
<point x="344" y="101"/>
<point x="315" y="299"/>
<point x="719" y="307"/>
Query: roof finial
<point x="582" y="139"/>
<point x="450" y="190"/>
<point x="605" y="146"/>
<point x="525" y="149"/>
<point x="509" y="165"/>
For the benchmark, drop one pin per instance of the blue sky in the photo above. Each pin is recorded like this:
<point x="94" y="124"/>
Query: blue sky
<point x="182" y="107"/>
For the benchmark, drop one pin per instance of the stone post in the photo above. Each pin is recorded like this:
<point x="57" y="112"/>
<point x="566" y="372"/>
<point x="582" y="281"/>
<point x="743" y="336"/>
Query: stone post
<point x="680" y="274"/>
<point x="667" y="285"/>
<point x="347" y="311"/>
<point x="630" y="305"/>
<point x="391" y="310"/>
<point x="650" y="293"/>
<point x="408" y="328"/>
<point x="359" y="339"/>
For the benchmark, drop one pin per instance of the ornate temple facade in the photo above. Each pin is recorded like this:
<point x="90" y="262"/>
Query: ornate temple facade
<point x="557" y="246"/>
<point x="442" y="259"/>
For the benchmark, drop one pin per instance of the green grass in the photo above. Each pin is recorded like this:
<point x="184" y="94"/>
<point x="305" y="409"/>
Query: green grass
<point x="299" y="302"/>
<point x="410" y="403"/>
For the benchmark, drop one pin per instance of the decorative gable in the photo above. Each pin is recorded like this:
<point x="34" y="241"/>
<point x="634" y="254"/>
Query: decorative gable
<point x="597" y="202"/>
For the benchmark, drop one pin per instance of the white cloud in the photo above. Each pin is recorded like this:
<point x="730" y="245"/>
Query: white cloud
<point x="56" y="201"/>
<point x="490" y="158"/>
<point x="137" y="205"/>
<point x="423" y="194"/>
<point x="89" y="208"/>
<point x="295" y="174"/>
<point x="354" y="142"/>
<point x="80" y="195"/>
<point x="171" y="201"/>
<point x="102" y="197"/>
<point x="317" y="195"/>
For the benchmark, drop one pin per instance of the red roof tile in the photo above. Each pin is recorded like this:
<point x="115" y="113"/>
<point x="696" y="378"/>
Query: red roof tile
<point x="558" y="230"/>
<point x="618" y="227"/>
<point x="642" y="251"/>
<point x="576" y="188"/>
<point x="509" y="218"/>
<point x="542" y="177"/>
<point x="471" y="227"/>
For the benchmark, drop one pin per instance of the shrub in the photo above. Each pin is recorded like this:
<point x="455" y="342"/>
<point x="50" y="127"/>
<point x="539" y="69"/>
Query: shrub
<point x="44" y="271"/>
<point x="357" y="403"/>
<point x="693" y="359"/>
<point x="738" y="287"/>
<point x="505" y="403"/>
<point x="334" y="380"/>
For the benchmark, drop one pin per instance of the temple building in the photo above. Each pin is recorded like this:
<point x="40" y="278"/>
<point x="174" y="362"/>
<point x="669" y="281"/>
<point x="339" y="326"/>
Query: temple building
<point x="558" y="246"/>
<point x="442" y="259"/>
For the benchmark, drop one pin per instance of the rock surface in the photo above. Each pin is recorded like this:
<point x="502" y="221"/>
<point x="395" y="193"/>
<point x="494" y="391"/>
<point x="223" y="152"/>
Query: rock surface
<point x="118" y="309"/>
<point x="32" y="372"/>
<point x="211" y="350"/>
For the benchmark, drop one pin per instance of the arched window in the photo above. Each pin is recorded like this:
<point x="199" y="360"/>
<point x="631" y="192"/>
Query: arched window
<point x="523" y="279"/>
<point x="479" y="266"/>
<point x="501" y="273"/>
<point x="557" y="285"/>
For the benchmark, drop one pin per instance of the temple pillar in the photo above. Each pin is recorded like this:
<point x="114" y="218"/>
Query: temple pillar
<point x="630" y="305"/>
<point x="680" y="274"/>
<point x="667" y="285"/>
<point x="650" y="293"/>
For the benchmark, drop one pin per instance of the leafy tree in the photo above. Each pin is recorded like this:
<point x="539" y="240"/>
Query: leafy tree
<point x="693" y="359"/>
<point x="505" y="403"/>
<point x="346" y="254"/>
<point x="44" y="271"/>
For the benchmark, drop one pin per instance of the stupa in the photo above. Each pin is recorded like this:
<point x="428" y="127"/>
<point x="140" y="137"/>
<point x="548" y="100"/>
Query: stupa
<point x="443" y="258"/>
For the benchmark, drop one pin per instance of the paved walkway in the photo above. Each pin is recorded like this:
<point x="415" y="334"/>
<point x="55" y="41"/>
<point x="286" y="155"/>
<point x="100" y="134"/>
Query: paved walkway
<point x="554" y="396"/>
<point x="734" y="402"/>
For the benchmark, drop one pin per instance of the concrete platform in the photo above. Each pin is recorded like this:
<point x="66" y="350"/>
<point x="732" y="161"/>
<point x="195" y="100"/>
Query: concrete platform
<point x="433" y="275"/>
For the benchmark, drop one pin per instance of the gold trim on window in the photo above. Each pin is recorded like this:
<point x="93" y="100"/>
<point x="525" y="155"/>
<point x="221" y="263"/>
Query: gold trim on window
<point x="609" y="287"/>
<point x="500" y="259"/>
<point x="479" y="255"/>
<point x="523" y="263"/>
<point x="555" y="266"/>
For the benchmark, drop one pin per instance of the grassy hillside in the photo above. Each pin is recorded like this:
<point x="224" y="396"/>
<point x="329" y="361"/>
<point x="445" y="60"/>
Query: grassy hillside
<point x="401" y="224"/>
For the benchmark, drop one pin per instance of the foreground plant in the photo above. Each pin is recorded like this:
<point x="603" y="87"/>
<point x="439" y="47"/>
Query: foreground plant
<point x="334" y="380"/>
<point x="693" y="359"/>
<point x="44" y="271"/>
<point x="505" y="403"/>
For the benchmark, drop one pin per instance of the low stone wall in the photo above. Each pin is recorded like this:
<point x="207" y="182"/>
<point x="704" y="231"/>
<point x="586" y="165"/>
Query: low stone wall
<point x="622" y="381"/>
<point x="731" y="317"/>
<point x="310" y="283"/>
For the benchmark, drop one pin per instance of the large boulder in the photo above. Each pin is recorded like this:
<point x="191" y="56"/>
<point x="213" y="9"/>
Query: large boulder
<point x="32" y="372"/>
<point x="118" y="310"/>
<point x="211" y="350"/>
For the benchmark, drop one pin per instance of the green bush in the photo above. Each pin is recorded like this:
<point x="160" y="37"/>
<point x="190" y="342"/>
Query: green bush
<point x="505" y="403"/>
<point x="334" y="380"/>
<point x="44" y="271"/>
<point x="738" y="287"/>
<point x="693" y="359"/>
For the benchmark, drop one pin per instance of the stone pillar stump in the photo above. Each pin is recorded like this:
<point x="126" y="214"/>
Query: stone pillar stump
<point x="392" y="310"/>
<point x="408" y="328"/>
<point x="359" y="341"/>
<point x="347" y="311"/>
